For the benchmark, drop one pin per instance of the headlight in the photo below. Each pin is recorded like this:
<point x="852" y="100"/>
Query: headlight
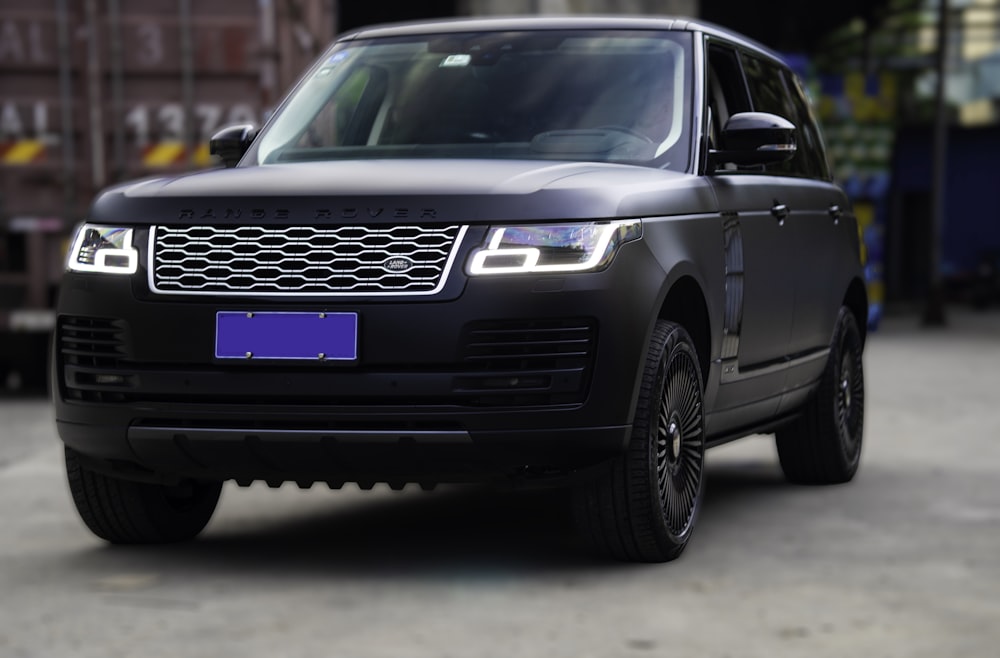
<point x="552" y="247"/>
<point x="106" y="249"/>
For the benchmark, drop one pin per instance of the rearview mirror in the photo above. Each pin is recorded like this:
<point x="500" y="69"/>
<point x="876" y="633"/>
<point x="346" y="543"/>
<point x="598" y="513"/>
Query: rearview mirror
<point x="231" y="143"/>
<point x="754" y="138"/>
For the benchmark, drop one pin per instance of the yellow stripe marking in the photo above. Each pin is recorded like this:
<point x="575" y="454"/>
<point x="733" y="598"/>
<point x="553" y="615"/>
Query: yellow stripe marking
<point x="164" y="154"/>
<point x="201" y="156"/>
<point x="24" y="151"/>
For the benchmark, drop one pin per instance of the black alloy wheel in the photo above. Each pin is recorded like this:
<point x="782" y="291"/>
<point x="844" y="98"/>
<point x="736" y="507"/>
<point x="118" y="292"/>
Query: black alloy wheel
<point x="680" y="445"/>
<point x="643" y="507"/>
<point x="823" y="445"/>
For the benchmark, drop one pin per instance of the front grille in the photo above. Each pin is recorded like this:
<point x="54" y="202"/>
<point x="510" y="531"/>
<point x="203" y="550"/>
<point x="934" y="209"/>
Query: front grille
<point x="302" y="260"/>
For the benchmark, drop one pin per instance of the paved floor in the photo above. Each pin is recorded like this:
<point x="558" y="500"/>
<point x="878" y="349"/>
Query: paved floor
<point x="904" y="561"/>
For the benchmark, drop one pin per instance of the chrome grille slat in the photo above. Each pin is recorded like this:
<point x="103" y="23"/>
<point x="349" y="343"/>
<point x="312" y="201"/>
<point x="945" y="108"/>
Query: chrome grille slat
<point x="301" y="260"/>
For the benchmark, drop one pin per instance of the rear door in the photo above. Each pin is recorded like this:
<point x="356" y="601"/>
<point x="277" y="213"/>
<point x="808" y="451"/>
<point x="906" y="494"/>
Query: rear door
<point x="822" y="239"/>
<point x="812" y="204"/>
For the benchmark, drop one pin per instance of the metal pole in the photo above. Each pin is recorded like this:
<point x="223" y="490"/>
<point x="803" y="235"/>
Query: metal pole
<point x="269" y="55"/>
<point x="97" y="161"/>
<point x="187" y="77"/>
<point x="934" y="315"/>
<point x="67" y="141"/>
<point x="117" y="89"/>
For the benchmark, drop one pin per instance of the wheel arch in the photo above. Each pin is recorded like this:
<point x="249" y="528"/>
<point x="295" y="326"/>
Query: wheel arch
<point x="685" y="305"/>
<point x="856" y="300"/>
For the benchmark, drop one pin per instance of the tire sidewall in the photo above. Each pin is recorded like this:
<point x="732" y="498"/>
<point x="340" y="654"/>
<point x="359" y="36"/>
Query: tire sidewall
<point x="847" y="340"/>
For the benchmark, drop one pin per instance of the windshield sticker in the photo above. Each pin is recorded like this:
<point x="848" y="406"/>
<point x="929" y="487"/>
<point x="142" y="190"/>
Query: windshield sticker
<point x="336" y="58"/>
<point x="456" y="60"/>
<point x="332" y="63"/>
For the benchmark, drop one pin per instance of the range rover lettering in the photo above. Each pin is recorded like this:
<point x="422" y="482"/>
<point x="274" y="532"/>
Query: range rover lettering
<point x="568" y="251"/>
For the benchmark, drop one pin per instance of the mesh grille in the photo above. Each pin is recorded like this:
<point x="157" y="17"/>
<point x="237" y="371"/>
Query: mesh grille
<point x="302" y="260"/>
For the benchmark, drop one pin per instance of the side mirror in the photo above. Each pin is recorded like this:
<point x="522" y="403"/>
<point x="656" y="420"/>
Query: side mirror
<point x="231" y="143"/>
<point x="754" y="138"/>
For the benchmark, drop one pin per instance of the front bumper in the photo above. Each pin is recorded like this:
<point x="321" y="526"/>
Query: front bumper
<point x="514" y="375"/>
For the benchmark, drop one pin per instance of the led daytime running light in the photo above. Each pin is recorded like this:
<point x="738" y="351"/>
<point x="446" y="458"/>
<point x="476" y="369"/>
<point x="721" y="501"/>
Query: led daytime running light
<point x="597" y="243"/>
<point x="103" y="249"/>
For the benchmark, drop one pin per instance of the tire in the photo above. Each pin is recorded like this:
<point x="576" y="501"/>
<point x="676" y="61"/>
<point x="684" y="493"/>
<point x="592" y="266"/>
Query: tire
<point x="127" y="512"/>
<point x="644" y="506"/>
<point x="823" y="445"/>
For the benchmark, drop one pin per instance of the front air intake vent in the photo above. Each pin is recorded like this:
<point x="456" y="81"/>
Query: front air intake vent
<point x="512" y="345"/>
<point x="91" y="358"/>
<point x="91" y="342"/>
<point x="527" y="362"/>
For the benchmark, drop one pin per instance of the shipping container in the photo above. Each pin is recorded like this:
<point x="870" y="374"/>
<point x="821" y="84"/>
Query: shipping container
<point x="93" y="92"/>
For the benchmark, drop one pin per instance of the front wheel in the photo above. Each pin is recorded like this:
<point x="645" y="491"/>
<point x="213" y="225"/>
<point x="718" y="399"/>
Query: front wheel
<point x="126" y="512"/>
<point x="823" y="445"/>
<point x="643" y="508"/>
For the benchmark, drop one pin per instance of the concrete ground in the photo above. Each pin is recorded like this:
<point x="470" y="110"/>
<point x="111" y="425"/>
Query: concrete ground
<point x="904" y="561"/>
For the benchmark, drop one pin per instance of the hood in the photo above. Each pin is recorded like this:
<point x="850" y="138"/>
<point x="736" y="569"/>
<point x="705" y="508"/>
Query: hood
<point x="394" y="191"/>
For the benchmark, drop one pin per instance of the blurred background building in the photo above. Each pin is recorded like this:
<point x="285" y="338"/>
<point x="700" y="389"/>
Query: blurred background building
<point x="93" y="92"/>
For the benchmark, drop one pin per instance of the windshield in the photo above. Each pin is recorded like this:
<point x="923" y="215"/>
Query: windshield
<point x="607" y="96"/>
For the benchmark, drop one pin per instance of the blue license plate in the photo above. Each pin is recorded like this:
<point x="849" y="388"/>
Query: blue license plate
<point x="302" y="336"/>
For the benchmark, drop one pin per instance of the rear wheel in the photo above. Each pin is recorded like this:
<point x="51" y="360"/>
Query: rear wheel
<point x="643" y="508"/>
<point x="823" y="446"/>
<point x="127" y="512"/>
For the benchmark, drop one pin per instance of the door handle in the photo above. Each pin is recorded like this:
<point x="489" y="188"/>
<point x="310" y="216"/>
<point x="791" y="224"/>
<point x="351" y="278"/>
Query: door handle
<point x="780" y="212"/>
<point x="835" y="213"/>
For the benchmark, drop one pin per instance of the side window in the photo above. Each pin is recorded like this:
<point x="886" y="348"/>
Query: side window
<point x="726" y="92"/>
<point x="809" y="134"/>
<point x="770" y="93"/>
<point x="767" y="87"/>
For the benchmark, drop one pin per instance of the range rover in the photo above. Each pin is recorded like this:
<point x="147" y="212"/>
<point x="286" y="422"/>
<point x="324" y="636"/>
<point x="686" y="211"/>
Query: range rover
<point x="569" y="251"/>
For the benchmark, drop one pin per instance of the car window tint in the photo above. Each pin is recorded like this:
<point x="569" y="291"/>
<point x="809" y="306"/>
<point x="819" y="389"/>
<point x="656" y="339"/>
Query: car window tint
<point x="346" y="117"/>
<point x="584" y="95"/>
<point x="809" y="134"/>
<point x="770" y="94"/>
<point x="727" y="93"/>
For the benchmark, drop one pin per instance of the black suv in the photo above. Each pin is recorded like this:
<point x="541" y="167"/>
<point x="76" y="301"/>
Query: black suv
<point x="573" y="250"/>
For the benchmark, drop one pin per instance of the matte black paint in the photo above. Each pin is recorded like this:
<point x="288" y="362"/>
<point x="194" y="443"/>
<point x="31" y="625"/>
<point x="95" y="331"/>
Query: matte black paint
<point x="183" y="414"/>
